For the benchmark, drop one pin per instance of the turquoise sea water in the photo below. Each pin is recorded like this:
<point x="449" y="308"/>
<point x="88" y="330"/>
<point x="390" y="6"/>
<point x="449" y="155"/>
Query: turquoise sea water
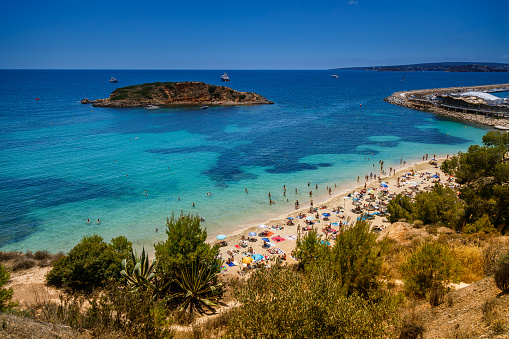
<point x="62" y="162"/>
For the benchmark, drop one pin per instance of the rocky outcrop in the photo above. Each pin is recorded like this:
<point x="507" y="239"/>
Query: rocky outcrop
<point x="411" y="99"/>
<point x="176" y="94"/>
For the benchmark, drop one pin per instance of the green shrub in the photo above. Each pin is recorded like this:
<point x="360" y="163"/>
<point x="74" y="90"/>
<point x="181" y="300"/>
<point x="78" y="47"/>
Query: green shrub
<point x="212" y="89"/>
<point x="400" y="207"/>
<point x="90" y="264"/>
<point x="5" y="294"/>
<point x="280" y="301"/>
<point x="308" y="248"/>
<point x="481" y="225"/>
<point x="355" y="260"/>
<point x="115" y="313"/>
<point x="242" y="97"/>
<point x="184" y="246"/>
<point x="438" y="206"/>
<point x="428" y="266"/>
<point x="502" y="273"/>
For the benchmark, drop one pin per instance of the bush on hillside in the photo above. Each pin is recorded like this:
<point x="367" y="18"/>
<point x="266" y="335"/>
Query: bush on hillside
<point x="428" y="266"/>
<point x="502" y="273"/>
<point x="90" y="264"/>
<point x="280" y="301"/>
<point x="309" y="249"/>
<point x="5" y="294"/>
<point x="185" y="245"/>
<point x="355" y="260"/>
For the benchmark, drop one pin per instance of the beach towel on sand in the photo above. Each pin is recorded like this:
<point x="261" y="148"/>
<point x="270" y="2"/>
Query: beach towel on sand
<point x="270" y="234"/>
<point x="278" y="239"/>
<point x="230" y="264"/>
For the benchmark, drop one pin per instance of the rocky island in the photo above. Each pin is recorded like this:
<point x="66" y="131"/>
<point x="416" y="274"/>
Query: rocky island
<point x="176" y="94"/>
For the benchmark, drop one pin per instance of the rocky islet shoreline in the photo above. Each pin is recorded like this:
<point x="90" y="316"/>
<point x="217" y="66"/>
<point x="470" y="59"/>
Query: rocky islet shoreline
<point x="186" y="93"/>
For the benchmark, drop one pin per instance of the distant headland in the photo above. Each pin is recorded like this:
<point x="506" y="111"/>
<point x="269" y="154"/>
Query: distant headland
<point x="176" y="94"/>
<point x="437" y="67"/>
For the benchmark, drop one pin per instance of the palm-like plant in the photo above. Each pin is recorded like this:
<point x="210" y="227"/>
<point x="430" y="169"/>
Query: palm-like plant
<point x="143" y="273"/>
<point x="198" y="287"/>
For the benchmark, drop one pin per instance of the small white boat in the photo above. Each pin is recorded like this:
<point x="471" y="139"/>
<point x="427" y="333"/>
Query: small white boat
<point x="113" y="80"/>
<point x="502" y="128"/>
<point x="334" y="76"/>
<point x="225" y="77"/>
<point x="152" y="107"/>
<point x="204" y="107"/>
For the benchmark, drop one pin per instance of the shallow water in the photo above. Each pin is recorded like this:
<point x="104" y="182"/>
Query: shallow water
<point x="62" y="162"/>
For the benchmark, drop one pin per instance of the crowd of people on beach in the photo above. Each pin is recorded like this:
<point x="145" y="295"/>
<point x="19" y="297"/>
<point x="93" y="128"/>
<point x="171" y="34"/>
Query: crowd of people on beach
<point x="367" y="202"/>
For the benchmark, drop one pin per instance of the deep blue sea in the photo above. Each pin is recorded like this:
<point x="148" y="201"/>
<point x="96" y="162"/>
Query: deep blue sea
<point x="62" y="162"/>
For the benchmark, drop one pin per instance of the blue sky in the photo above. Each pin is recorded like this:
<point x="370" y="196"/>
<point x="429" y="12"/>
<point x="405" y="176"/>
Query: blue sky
<point x="249" y="34"/>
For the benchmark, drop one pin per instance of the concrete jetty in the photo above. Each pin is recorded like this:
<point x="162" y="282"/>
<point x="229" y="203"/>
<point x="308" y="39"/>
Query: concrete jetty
<point x="466" y="103"/>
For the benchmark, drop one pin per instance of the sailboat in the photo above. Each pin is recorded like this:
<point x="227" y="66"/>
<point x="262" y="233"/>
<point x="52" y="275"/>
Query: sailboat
<point x="403" y="79"/>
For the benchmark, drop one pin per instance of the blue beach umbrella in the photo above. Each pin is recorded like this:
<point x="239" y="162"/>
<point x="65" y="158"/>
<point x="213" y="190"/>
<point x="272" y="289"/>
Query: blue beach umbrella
<point x="326" y="215"/>
<point x="310" y="218"/>
<point x="435" y="176"/>
<point x="289" y="218"/>
<point x="252" y="234"/>
<point x="384" y="185"/>
<point x="335" y="224"/>
<point x="257" y="257"/>
<point x="221" y="237"/>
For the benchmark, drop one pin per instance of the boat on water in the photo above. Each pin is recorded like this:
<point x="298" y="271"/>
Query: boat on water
<point x="502" y="128"/>
<point x="204" y="107"/>
<point x="225" y="77"/>
<point x="334" y="76"/>
<point x="152" y="107"/>
<point x="113" y="80"/>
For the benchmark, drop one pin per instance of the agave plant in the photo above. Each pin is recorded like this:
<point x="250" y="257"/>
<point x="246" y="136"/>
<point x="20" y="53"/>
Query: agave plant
<point x="143" y="273"/>
<point x="198" y="287"/>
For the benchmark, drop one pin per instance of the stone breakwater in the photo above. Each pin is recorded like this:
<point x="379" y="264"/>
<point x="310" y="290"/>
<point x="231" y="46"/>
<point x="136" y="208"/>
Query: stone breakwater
<point x="410" y="99"/>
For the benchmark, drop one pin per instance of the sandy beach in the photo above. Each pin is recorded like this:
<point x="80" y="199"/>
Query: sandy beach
<point x="277" y="238"/>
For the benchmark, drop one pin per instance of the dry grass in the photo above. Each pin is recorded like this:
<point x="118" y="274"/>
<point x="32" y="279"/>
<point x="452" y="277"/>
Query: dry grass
<point x="18" y="261"/>
<point x="471" y="260"/>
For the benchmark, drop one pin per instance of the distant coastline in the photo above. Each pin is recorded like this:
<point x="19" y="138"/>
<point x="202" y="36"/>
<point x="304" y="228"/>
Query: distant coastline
<point x="437" y="67"/>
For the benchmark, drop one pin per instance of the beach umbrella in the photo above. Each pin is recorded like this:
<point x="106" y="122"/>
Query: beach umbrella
<point x="370" y="191"/>
<point x="263" y="226"/>
<point x="221" y="237"/>
<point x="370" y="199"/>
<point x="289" y="218"/>
<point x="326" y="243"/>
<point x="257" y="256"/>
<point x="384" y="185"/>
<point x="310" y="218"/>
<point x="247" y="260"/>
<point x="335" y="224"/>
<point x="383" y="198"/>
<point x="357" y="203"/>
<point x="370" y="208"/>
<point x="435" y="176"/>
<point x="252" y="234"/>
<point x="326" y="214"/>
